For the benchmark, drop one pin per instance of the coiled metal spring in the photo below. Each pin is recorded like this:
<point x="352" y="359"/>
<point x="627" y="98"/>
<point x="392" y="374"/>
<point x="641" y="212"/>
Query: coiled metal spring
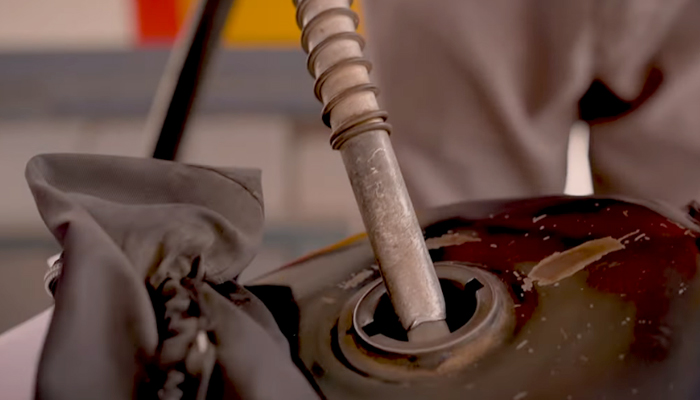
<point x="356" y="123"/>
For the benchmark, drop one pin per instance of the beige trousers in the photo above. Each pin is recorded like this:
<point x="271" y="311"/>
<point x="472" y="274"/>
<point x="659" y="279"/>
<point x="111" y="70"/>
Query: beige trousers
<point x="482" y="94"/>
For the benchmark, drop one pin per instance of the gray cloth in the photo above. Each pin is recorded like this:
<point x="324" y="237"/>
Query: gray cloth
<point x="146" y="306"/>
<point x="482" y="94"/>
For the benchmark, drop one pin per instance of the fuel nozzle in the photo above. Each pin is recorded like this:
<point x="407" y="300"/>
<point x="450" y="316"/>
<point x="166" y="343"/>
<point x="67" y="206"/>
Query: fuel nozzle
<point x="361" y="134"/>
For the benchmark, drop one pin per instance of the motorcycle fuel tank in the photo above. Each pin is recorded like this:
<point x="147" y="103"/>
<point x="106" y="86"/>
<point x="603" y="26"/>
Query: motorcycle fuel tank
<point x="620" y="319"/>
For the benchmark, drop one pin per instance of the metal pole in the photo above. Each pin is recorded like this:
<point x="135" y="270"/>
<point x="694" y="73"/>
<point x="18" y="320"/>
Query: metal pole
<point x="361" y="134"/>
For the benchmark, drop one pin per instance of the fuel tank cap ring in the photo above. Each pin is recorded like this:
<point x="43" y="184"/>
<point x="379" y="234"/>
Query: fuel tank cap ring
<point x="479" y="313"/>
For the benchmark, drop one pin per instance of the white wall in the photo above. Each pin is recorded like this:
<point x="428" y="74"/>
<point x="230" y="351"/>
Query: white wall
<point x="303" y="179"/>
<point x="29" y="25"/>
<point x="578" y="175"/>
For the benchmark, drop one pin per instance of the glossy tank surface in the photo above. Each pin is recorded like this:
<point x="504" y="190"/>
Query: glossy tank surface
<point x="625" y="326"/>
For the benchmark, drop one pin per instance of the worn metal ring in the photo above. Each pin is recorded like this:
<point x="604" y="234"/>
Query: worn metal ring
<point x="489" y="326"/>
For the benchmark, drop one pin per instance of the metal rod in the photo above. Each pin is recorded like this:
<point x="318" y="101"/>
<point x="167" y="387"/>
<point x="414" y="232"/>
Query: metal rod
<point x="184" y="73"/>
<point x="350" y="108"/>
<point x="393" y="229"/>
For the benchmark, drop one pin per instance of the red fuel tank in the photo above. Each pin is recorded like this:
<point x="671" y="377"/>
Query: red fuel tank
<point x="618" y="323"/>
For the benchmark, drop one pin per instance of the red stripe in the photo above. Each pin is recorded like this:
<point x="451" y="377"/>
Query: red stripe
<point x="157" y="21"/>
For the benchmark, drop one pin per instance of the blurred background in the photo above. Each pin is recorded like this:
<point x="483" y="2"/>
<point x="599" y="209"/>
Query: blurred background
<point x="80" y="76"/>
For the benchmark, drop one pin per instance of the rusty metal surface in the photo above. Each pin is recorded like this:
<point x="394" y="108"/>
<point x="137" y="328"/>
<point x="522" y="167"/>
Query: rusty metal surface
<point x="623" y="327"/>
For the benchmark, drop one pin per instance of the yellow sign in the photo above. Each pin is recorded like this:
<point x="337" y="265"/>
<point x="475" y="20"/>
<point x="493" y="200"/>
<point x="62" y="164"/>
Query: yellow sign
<point x="258" y="23"/>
